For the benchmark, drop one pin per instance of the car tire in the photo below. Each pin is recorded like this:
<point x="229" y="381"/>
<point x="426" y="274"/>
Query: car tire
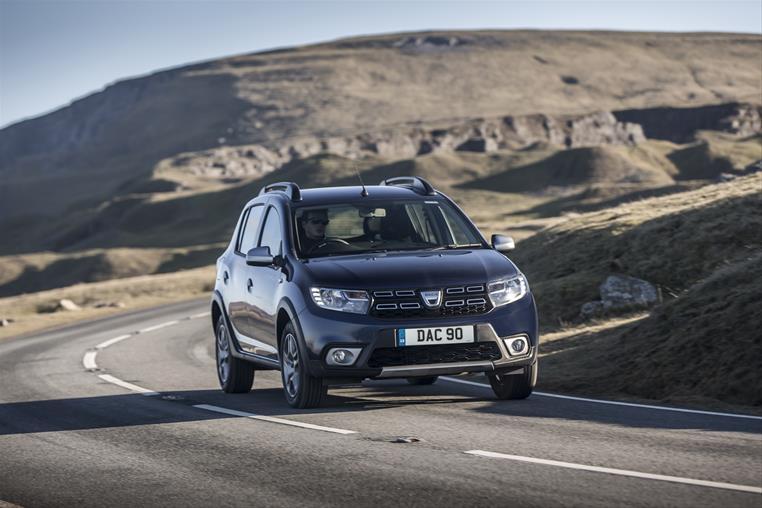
<point x="516" y="386"/>
<point x="235" y="375"/>
<point x="302" y="390"/>
<point x="419" y="381"/>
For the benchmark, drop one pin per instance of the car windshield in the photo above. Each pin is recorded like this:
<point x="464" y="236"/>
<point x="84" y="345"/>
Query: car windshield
<point x="380" y="226"/>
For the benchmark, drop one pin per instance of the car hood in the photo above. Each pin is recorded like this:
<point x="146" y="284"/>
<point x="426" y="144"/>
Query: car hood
<point x="417" y="269"/>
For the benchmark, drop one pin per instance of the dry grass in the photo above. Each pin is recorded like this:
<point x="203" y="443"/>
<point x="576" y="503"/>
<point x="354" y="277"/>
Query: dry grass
<point x="672" y="241"/>
<point x="28" y="311"/>
<point x="28" y="273"/>
<point x="701" y="349"/>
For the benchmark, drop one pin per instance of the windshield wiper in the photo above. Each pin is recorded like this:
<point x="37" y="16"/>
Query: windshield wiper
<point x="457" y="246"/>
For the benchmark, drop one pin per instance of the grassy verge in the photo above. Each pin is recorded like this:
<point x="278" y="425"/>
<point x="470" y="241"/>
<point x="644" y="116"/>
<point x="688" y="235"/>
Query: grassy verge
<point x="32" y="312"/>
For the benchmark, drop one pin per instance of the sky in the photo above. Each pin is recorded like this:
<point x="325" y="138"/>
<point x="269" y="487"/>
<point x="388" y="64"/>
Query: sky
<point x="54" y="51"/>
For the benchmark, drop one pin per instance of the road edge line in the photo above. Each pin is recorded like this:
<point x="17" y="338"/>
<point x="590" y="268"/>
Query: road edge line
<point x="614" y="402"/>
<point x="619" y="472"/>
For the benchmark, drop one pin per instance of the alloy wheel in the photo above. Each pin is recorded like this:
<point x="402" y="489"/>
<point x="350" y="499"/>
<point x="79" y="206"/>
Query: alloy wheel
<point x="223" y="354"/>
<point x="291" y="365"/>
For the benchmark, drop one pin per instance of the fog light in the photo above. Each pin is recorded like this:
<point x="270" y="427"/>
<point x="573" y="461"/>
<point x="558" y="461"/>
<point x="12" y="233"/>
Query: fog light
<point x="517" y="346"/>
<point x="342" y="356"/>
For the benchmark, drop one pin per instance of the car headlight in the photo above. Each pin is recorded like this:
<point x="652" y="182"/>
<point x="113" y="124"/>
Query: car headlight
<point x="505" y="291"/>
<point x="344" y="300"/>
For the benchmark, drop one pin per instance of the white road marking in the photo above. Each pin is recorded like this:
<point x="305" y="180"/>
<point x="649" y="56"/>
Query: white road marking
<point x="129" y="386"/>
<point x="159" y="326"/>
<point x="272" y="419"/>
<point x="111" y="342"/>
<point x="89" y="360"/>
<point x="613" y="402"/>
<point x="620" y="472"/>
<point x="199" y="315"/>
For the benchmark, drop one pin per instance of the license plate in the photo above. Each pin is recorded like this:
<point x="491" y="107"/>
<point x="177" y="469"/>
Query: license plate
<point x="432" y="336"/>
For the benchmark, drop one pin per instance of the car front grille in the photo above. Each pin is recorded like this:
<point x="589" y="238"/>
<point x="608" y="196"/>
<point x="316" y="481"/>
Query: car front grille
<point x="444" y="353"/>
<point x="408" y="303"/>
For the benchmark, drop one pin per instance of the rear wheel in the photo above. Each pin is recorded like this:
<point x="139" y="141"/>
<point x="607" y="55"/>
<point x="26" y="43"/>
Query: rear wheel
<point x="516" y="386"/>
<point x="422" y="380"/>
<point x="235" y="375"/>
<point x="302" y="390"/>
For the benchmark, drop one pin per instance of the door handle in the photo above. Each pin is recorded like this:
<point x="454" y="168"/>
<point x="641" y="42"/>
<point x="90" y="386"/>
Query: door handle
<point x="225" y="277"/>
<point x="249" y="285"/>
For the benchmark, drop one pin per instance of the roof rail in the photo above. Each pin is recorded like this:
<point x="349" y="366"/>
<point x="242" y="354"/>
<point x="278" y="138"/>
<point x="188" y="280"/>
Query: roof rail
<point x="289" y="188"/>
<point x="416" y="183"/>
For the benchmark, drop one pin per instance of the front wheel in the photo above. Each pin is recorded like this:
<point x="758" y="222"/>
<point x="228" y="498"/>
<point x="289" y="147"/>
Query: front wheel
<point x="235" y="375"/>
<point x="516" y="386"/>
<point x="302" y="390"/>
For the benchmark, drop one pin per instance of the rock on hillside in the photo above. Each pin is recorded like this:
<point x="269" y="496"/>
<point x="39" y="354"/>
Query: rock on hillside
<point x="703" y="347"/>
<point x="672" y="241"/>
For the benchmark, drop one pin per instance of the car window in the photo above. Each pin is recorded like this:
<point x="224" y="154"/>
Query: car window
<point x="271" y="233"/>
<point x="456" y="227"/>
<point x="423" y="223"/>
<point x="248" y="238"/>
<point x="380" y="225"/>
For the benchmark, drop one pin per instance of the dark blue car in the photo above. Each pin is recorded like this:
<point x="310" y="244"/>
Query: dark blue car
<point x="341" y="284"/>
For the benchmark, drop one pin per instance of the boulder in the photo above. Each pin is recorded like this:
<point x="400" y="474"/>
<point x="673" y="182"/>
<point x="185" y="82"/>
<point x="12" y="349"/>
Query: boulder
<point x="5" y="322"/>
<point x="67" y="305"/>
<point x="618" y="293"/>
<point x="622" y="292"/>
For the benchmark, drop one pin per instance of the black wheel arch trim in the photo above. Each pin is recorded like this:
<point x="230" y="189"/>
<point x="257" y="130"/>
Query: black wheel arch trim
<point x="237" y="351"/>
<point x="293" y="317"/>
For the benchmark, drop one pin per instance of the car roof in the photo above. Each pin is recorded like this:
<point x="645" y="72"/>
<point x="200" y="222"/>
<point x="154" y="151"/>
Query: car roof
<point x="350" y="194"/>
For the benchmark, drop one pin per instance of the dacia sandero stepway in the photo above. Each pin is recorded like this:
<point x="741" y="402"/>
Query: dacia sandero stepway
<point x="337" y="285"/>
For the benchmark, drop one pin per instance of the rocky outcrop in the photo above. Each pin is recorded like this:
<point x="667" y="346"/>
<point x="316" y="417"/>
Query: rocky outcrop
<point x="680" y="125"/>
<point x="430" y="42"/>
<point x="480" y="135"/>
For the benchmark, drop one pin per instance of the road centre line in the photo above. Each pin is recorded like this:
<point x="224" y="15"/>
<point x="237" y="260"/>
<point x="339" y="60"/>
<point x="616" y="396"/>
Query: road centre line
<point x="124" y="384"/>
<point x="159" y="326"/>
<point x="111" y="342"/>
<point x="272" y="419"/>
<point x="199" y="315"/>
<point x="89" y="360"/>
<point x="619" y="472"/>
<point x="613" y="402"/>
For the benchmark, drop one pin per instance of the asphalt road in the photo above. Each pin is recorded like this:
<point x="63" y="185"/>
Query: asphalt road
<point x="139" y="421"/>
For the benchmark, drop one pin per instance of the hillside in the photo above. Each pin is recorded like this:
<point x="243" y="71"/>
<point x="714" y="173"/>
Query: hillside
<point x="703" y="347"/>
<point x="674" y="241"/>
<point x="117" y="137"/>
<point x="699" y="346"/>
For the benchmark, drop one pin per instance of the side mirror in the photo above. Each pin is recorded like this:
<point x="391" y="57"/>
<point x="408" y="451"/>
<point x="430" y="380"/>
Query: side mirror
<point x="259" y="256"/>
<point x="502" y="243"/>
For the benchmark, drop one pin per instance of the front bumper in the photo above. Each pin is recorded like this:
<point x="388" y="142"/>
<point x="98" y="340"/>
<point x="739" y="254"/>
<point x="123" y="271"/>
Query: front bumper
<point x="324" y="329"/>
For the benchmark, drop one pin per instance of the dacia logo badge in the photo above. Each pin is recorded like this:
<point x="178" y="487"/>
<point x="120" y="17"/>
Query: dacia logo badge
<point x="432" y="299"/>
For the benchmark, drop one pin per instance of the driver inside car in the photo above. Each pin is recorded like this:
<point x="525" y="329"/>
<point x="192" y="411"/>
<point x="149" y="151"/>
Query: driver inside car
<point x="314" y="223"/>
